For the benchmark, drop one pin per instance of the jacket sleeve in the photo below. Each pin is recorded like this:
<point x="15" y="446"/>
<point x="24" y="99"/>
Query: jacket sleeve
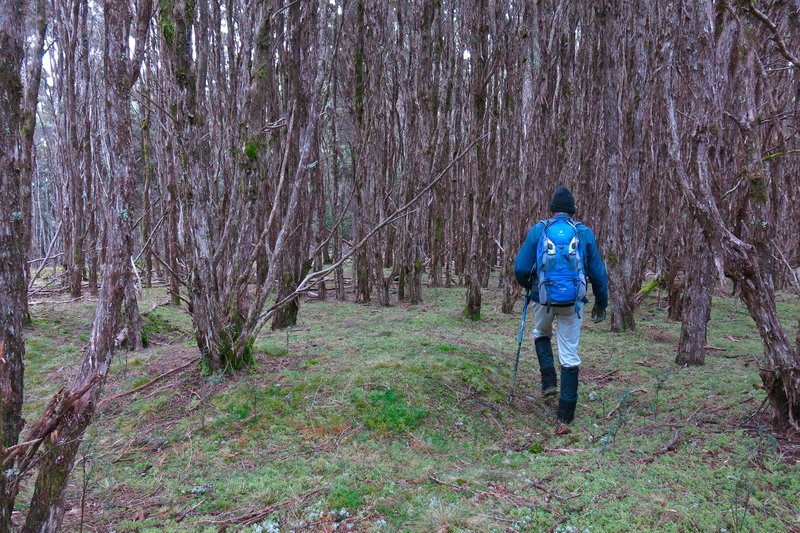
<point x="526" y="258"/>
<point x="596" y="270"/>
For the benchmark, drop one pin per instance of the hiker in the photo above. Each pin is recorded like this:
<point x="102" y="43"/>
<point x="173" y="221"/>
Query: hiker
<point x="553" y="264"/>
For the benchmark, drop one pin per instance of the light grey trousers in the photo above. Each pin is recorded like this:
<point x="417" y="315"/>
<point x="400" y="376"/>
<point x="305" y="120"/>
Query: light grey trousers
<point x="568" y="330"/>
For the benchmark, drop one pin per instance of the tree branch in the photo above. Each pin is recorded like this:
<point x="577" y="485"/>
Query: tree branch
<point x="776" y="35"/>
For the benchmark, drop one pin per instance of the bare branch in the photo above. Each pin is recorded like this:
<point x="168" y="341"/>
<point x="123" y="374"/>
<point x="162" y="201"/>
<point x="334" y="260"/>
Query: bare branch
<point x="776" y="35"/>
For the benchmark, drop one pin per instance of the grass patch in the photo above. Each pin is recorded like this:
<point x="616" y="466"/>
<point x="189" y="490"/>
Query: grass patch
<point x="385" y="411"/>
<point x="270" y="348"/>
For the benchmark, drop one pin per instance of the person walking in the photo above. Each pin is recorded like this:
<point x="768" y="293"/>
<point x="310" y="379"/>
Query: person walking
<point x="552" y="264"/>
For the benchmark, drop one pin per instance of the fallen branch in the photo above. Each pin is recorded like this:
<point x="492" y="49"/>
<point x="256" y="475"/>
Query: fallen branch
<point x="695" y="413"/>
<point x="557" y="523"/>
<point x="564" y="450"/>
<point x="550" y="494"/>
<point x="715" y="348"/>
<point x="438" y="481"/>
<point x="43" y="287"/>
<point x="110" y="399"/>
<point x="189" y="510"/>
<point x="255" y="517"/>
<point x="154" y="307"/>
<point x="670" y="445"/>
<point x="40" y="302"/>
<point x="607" y="375"/>
<point x="622" y="401"/>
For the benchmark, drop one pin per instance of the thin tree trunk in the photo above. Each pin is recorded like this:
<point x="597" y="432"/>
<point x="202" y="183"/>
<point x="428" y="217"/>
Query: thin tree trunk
<point x="47" y="504"/>
<point x="28" y="129"/>
<point x="12" y="243"/>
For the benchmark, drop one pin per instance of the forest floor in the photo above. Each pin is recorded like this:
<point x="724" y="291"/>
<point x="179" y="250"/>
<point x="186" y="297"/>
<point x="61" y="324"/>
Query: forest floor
<point x="396" y="419"/>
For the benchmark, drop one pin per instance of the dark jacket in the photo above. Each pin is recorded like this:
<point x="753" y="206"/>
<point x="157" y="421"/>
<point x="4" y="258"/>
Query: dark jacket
<point x="525" y="268"/>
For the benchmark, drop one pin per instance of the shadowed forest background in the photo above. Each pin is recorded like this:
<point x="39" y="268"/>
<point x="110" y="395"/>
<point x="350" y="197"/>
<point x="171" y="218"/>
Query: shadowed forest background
<point x="256" y="264"/>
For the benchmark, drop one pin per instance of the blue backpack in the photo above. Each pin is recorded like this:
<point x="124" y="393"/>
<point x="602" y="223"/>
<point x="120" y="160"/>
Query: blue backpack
<point x="559" y="265"/>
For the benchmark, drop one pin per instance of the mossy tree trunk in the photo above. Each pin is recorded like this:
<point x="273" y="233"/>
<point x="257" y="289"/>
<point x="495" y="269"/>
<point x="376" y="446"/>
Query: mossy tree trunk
<point x="224" y="347"/>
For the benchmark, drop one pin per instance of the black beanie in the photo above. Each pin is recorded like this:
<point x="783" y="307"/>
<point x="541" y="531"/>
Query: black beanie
<point x="563" y="202"/>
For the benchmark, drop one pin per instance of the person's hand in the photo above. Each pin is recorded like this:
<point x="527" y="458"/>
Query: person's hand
<point x="598" y="314"/>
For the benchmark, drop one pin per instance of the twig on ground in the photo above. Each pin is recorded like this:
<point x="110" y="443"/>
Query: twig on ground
<point x="110" y="399"/>
<point x="715" y="348"/>
<point x="556" y="524"/>
<point x="760" y="407"/>
<point x="670" y="445"/>
<point x="695" y="413"/>
<point x="550" y="494"/>
<point x="607" y="375"/>
<point x="564" y="450"/>
<point x="499" y="518"/>
<point x="254" y="517"/>
<point x="622" y="401"/>
<point x="444" y="483"/>
<point x="184" y="514"/>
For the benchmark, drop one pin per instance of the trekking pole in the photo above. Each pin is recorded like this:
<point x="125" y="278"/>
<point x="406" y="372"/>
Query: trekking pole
<point x="519" y="345"/>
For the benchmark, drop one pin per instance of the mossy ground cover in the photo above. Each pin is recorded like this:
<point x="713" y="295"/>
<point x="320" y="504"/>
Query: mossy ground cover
<point x="396" y="419"/>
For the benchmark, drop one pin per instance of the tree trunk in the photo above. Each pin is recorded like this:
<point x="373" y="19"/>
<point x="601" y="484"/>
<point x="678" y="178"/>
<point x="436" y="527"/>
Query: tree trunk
<point x="218" y="334"/>
<point x="171" y="238"/>
<point x="479" y="33"/>
<point x="147" y="222"/>
<point x="781" y="372"/>
<point x="47" y="504"/>
<point x="12" y="243"/>
<point x="675" y="289"/>
<point x="473" y="309"/>
<point x="135" y="339"/>
<point x="696" y="305"/>
<point x="28" y="130"/>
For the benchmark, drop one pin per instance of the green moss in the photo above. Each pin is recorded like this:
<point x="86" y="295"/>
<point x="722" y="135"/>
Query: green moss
<point x="758" y="187"/>
<point x="251" y="150"/>
<point x="168" y="30"/>
<point x="445" y="347"/>
<point x="228" y="359"/>
<point x="385" y="411"/>
<point x="613" y="258"/>
<point x="347" y="498"/>
<point x="144" y="338"/>
<point x="270" y="348"/>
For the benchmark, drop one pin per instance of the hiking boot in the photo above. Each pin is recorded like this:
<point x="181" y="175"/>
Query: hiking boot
<point x="544" y="353"/>
<point x="569" y="394"/>
<point x="566" y="412"/>
<point x="549" y="382"/>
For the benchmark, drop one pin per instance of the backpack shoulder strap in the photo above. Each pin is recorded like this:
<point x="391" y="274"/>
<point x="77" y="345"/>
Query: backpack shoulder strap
<point x="573" y="224"/>
<point x="546" y="223"/>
